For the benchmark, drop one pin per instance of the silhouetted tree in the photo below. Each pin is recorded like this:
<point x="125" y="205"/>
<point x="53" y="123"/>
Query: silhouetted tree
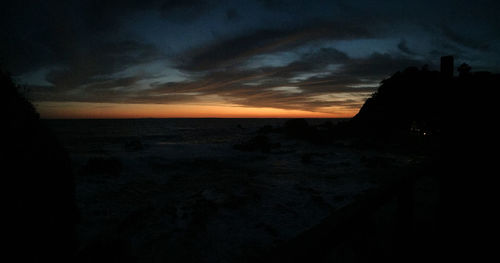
<point x="408" y="98"/>
<point x="459" y="110"/>
<point x="463" y="69"/>
<point x="37" y="184"/>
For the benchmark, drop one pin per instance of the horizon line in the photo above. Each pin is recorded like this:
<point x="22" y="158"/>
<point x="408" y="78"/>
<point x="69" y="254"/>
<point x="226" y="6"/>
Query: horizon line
<point x="163" y="118"/>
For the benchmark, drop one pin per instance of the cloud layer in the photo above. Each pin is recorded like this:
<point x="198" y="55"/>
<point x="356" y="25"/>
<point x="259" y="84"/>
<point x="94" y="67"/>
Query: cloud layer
<point x="321" y="56"/>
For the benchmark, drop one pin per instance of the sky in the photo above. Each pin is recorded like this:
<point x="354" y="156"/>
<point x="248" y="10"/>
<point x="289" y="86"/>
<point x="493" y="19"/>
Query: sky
<point x="221" y="58"/>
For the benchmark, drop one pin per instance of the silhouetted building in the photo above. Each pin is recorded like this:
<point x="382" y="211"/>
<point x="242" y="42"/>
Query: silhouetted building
<point x="447" y="66"/>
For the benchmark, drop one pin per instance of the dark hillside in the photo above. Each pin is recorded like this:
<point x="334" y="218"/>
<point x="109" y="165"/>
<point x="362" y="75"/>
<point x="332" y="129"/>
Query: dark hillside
<point x="37" y="184"/>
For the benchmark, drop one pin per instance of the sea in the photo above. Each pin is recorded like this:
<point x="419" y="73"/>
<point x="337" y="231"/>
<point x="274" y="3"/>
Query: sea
<point x="76" y="134"/>
<point x="170" y="189"/>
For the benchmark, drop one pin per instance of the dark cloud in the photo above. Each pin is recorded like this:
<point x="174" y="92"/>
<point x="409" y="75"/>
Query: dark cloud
<point x="36" y="35"/>
<point x="232" y="14"/>
<point x="183" y="11"/>
<point x="404" y="48"/>
<point x="463" y="40"/>
<point x="234" y="84"/>
<point x="53" y="32"/>
<point x="324" y="56"/>
<point x="382" y="65"/>
<point x="229" y="52"/>
<point x="313" y="62"/>
<point x="95" y="63"/>
<point x="314" y="93"/>
<point x="115" y="83"/>
<point x="271" y="3"/>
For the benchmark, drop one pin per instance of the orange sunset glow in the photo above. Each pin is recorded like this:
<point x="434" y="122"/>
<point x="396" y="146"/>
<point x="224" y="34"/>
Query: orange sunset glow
<point x="81" y="110"/>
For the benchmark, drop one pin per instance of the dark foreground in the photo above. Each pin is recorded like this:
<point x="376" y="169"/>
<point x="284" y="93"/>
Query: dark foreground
<point x="215" y="190"/>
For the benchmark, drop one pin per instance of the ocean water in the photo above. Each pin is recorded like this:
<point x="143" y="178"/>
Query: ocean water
<point x="176" y="188"/>
<point x="77" y="135"/>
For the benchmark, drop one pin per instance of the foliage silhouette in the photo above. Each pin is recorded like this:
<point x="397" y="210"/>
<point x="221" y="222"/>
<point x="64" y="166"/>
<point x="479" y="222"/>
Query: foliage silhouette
<point x="457" y="114"/>
<point x="423" y="102"/>
<point x="38" y="186"/>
